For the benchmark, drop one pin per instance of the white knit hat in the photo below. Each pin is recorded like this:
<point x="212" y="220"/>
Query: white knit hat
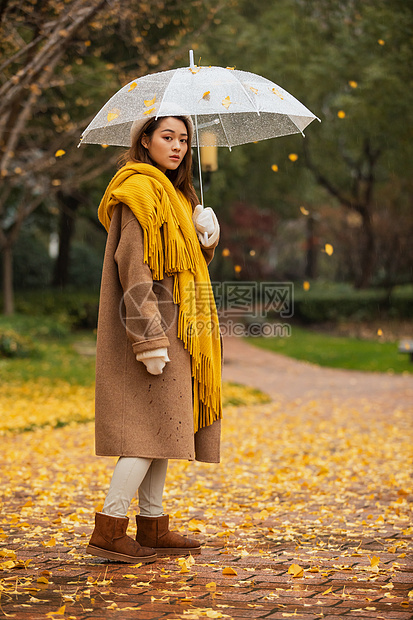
<point x="139" y="123"/>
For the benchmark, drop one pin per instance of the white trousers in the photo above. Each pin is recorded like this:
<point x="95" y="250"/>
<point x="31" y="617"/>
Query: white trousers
<point x="130" y="475"/>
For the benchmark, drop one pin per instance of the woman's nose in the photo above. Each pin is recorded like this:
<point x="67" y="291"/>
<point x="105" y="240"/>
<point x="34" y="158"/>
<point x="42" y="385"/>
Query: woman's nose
<point x="177" y="145"/>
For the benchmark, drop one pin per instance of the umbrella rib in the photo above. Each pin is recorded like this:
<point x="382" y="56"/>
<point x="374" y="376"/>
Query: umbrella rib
<point x="225" y="133"/>
<point x="247" y="93"/>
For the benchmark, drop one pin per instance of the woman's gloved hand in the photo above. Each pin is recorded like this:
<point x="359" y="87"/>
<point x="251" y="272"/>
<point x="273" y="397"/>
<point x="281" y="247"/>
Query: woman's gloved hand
<point x="206" y="225"/>
<point x="154" y="360"/>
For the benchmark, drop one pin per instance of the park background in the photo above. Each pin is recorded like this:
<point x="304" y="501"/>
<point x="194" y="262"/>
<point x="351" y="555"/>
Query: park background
<point x="309" y="513"/>
<point x="331" y="212"/>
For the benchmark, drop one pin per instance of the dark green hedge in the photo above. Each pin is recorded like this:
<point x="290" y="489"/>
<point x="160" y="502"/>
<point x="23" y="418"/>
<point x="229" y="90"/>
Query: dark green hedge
<point x="362" y="305"/>
<point x="76" y="309"/>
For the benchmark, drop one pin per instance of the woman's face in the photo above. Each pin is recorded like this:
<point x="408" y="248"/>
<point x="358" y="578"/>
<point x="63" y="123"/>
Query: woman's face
<point x="168" y="144"/>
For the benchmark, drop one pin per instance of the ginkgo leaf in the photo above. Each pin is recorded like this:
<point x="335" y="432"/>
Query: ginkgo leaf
<point x="341" y="114"/>
<point x="146" y="112"/>
<point x="275" y="91"/>
<point x="274" y="168"/>
<point x="149" y="102"/>
<point x="132" y="86"/>
<point x="293" y="157"/>
<point x="254" y="90"/>
<point x="226" y="102"/>
<point x="328" y="249"/>
<point x="207" y="95"/>
<point x="112" y="115"/>
<point x="59" y="612"/>
<point x="304" y="211"/>
<point x="60" y="153"/>
<point x="306" y="287"/>
<point x="211" y="586"/>
<point x="296" y="570"/>
<point x="228" y="570"/>
<point x="327" y="591"/>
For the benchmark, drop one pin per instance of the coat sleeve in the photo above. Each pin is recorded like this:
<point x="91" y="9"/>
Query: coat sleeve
<point x="209" y="251"/>
<point x="139" y="308"/>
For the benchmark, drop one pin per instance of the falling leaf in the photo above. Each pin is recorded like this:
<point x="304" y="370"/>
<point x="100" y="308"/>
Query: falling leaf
<point x="226" y="102"/>
<point x="374" y="561"/>
<point x="381" y="42"/>
<point x="380" y="332"/>
<point x="229" y="571"/>
<point x="274" y="168"/>
<point x="104" y="146"/>
<point x="149" y="102"/>
<point x="237" y="268"/>
<point x="296" y="570"/>
<point x="254" y="90"/>
<point x="132" y="86"/>
<point x="327" y="591"/>
<point x="304" y="211"/>
<point x="146" y="112"/>
<point x="207" y="95"/>
<point x="225" y="252"/>
<point x="353" y="84"/>
<point x="341" y="114"/>
<point x="293" y="157"/>
<point x="60" y="153"/>
<point x="306" y="286"/>
<point x="230" y="68"/>
<point x="328" y="249"/>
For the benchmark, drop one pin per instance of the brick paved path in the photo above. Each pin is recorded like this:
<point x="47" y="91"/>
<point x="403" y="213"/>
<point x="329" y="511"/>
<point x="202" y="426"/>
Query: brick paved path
<point x="310" y="509"/>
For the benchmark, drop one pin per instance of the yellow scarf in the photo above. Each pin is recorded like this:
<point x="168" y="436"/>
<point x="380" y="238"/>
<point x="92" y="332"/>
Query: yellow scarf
<point x="171" y="247"/>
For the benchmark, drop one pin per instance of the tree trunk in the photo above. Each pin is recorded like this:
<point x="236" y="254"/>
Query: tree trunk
<point x="368" y="248"/>
<point x="8" y="293"/>
<point x="68" y="208"/>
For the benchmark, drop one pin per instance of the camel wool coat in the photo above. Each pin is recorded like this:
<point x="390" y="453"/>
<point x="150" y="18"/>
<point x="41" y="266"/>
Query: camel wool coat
<point x="138" y="414"/>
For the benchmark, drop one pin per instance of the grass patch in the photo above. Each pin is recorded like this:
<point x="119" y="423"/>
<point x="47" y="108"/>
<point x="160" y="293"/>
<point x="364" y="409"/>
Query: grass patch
<point x="53" y="357"/>
<point x="338" y="352"/>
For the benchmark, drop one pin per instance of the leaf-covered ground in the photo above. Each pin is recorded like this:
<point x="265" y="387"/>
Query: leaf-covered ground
<point x="307" y="516"/>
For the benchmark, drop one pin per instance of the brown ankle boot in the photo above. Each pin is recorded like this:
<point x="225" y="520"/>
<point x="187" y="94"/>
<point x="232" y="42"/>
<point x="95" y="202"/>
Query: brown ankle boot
<point x="109" y="540"/>
<point x="154" y="532"/>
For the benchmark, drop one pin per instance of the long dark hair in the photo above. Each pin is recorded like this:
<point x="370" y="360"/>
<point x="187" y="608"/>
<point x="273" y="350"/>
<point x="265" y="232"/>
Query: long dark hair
<point x="181" y="178"/>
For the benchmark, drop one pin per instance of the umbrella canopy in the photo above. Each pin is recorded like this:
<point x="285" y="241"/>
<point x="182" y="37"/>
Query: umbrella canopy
<point x="230" y="107"/>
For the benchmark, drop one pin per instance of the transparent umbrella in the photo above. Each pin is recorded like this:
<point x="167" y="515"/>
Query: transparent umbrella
<point x="229" y="107"/>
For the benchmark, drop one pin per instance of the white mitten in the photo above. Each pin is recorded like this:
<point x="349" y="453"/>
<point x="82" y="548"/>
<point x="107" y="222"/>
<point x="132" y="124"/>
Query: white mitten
<point x="154" y="360"/>
<point x="206" y="225"/>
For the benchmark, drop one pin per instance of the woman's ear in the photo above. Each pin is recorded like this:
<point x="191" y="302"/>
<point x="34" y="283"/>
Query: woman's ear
<point x="144" y="142"/>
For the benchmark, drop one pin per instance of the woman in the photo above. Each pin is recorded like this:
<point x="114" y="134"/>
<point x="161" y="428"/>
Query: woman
<point x="158" y="366"/>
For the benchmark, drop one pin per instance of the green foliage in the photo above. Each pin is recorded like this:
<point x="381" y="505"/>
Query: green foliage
<point x="338" y="352"/>
<point x="85" y="267"/>
<point x="32" y="265"/>
<point x="71" y="308"/>
<point x="332" y="303"/>
<point x="13" y="344"/>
